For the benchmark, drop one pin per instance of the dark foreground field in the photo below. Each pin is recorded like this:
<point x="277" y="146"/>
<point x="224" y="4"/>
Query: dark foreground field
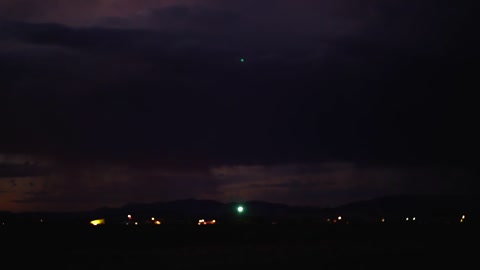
<point x="240" y="247"/>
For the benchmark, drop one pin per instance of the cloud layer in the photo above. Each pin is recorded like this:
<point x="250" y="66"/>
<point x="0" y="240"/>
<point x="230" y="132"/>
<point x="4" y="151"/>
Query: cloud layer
<point x="159" y="86"/>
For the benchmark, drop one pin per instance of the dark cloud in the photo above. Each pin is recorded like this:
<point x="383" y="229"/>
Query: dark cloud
<point x="383" y="84"/>
<point x="332" y="184"/>
<point x="362" y="94"/>
<point x="182" y="17"/>
<point x="104" y="185"/>
<point x="75" y="11"/>
<point x="21" y="170"/>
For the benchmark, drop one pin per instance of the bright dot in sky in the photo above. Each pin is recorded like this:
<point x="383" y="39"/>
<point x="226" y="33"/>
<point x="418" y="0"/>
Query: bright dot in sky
<point x="240" y="209"/>
<point x="242" y="60"/>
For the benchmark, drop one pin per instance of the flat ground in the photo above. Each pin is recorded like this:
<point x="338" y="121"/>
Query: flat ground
<point x="238" y="247"/>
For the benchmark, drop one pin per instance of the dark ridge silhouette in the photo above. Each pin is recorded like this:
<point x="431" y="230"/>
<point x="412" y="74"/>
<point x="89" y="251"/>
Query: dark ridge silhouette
<point x="425" y="209"/>
<point x="5" y="215"/>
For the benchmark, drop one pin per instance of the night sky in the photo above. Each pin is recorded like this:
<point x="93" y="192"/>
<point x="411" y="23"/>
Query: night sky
<point x="307" y="102"/>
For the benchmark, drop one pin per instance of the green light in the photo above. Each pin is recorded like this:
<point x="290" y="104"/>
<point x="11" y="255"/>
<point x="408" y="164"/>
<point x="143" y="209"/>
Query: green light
<point x="240" y="209"/>
<point x="242" y="60"/>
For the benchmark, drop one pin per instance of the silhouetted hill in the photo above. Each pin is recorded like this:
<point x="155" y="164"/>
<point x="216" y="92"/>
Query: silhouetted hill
<point x="394" y="208"/>
<point x="180" y="208"/>
<point x="191" y="208"/>
<point x="5" y="214"/>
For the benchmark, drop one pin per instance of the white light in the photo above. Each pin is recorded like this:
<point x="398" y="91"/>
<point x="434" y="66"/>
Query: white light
<point x="406" y="219"/>
<point x="339" y="218"/>
<point x="413" y="218"/>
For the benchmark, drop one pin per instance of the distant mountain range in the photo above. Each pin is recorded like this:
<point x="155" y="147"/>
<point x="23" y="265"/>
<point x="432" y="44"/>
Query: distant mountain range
<point x="431" y="208"/>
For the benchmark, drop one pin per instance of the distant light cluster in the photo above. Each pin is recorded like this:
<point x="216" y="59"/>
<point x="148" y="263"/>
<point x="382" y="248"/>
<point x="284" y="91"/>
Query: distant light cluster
<point x="240" y="215"/>
<point x="206" y="222"/>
